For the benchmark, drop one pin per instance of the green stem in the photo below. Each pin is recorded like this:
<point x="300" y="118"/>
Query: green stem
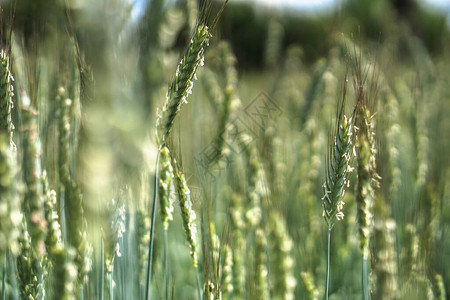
<point x="123" y="285"/>
<point x="166" y="263"/>
<point x="4" y="279"/>
<point x="327" y="280"/>
<point x="152" y="230"/>
<point x="13" y="275"/>
<point x="199" y="289"/>
<point x="62" y="217"/>
<point x="102" y="274"/>
<point x="111" y="288"/>
<point x="365" y="278"/>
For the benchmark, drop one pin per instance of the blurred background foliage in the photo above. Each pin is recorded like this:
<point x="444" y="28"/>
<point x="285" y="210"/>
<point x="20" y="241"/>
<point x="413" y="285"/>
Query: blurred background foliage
<point x="245" y="25"/>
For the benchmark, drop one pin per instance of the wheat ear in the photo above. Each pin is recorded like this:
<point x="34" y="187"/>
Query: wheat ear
<point x="282" y="263"/>
<point x="165" y="195"/>
<point x="181" y="85"/>
<point x="6" y="97"/>
<point x="366" y="184"/>
<point x="112" y="235"/>
<point x="338" y="166"/>
<point x="64" y="274"/>
<point x="261" y="271"/>
<point x="227" y="273"/>
<point x="440" y="287"/>
<point x="73" y="198"/>
<point x="33" y="205"/>
<point x="187" y="213"/>
<point x="385" y="270"/>
<point x="310" y="289"/>
<point x="238" y="246"/>
<point x="29" y="267"/>
<point x="8" y="205"/>
<point x="230" y="96"/>
<point x="165" y="187"/>
<point x="10" y="216"/>
<point x="188" y="216"/>
<point x="53" y="239"/>
<point x="177" y="95"/>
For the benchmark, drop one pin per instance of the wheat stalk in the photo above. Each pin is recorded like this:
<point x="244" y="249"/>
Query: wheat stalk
<point x="177" y="95"/>
<point x="72" y="200"/>
<point x="8" y="228"/>
<point x="188" y="216"/>
<point x="338" y="166"/>
<point x="212" y="260"/>
<point x="165" y="195"/>
<point x="367" y="177"/>
<point x="366" y="184"/>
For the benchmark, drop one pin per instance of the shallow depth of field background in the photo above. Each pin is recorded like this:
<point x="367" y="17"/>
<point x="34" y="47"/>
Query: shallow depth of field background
<point x="115" y="61"/>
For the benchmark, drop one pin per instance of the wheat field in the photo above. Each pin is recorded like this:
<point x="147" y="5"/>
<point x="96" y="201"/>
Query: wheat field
<point x="216" y="150"/>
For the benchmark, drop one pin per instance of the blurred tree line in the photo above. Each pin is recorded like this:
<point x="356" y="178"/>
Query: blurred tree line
<point x="247" y="27"/>
<point x="315" y="33"/>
